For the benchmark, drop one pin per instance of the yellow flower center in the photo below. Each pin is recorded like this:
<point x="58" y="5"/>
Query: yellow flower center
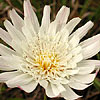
<point x="47" y="61"/>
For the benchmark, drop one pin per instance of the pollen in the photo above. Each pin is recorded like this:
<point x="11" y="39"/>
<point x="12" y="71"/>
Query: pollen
<point x="47" y="61"/>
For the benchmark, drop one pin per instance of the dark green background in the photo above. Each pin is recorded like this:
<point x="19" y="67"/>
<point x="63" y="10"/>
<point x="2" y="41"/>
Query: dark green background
<point x="85" y="9"/>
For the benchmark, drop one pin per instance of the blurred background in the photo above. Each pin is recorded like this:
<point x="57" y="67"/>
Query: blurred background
<point x="85" y="9"/>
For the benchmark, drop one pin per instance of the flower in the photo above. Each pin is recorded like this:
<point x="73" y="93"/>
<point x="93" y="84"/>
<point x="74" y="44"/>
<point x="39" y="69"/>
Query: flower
<point x="49" y="54"/>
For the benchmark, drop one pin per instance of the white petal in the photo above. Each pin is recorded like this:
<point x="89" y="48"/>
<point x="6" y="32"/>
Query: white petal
<point x="62" y="15"/>
<point x="7" y="68"/>
<point x="69" y="94"/>
<point x="55" y="89"/>
<point x="77" y="58"/>
<point x="78" y="86"/>
<point x="64" y="33"/>
<point x="72" y="72"/>
<point x="15" y="34"/>
<point x="60" y="88"/>
<point x="60" y="21"/>
<point x="29" y="87"/>
<point x="44" y="83"/>
<point x="12" y="61"/>
<point x="19" y="80"/>
<point x="90" y="41"/>
<point x="91" y="62"/>
<point x="90" y="45"/>
<point x="16" y="19"/>
<point x="72" y="23"/>
<point x="69" y="56"/>
<point x="49" y="91"/>
<point x="84" y="78"/>
<point x="5" y="36"/>
<point x="85" y="68"/>
<point x="30" y="14"/>
<point x="52" y="29"/>
<point x="17" y="46"/>
<point x="91" y="50"/>
<point x="46" y="17"/>
<point x="63" y="81"/>
<point x="28" y="32"/>
<point x="8" y="75"/>
<point x="6" y="51"/>
<point x="76" y="51"/>
<point x="82" y="31"/>
<point x="73" y="42"/>
<point x="60" y="81"/>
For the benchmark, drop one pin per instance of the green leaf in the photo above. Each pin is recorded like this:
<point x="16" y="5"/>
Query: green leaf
<point x="1" y="0"/>
<point x="63" y="2"/>
<point x="15" y="99"/>
<point x="3" y="88"/>
<point x="98" y="56"/>
<point x="97" y="83"/>
<point x="85" y="7"/>
<point x="17" y="4"/>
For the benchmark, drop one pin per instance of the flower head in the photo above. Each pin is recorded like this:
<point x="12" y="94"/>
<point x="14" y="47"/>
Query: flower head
<point x="50" y="55"/>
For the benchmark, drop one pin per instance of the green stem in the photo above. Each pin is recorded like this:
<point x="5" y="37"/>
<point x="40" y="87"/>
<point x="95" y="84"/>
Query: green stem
<point x="45" y="97"/>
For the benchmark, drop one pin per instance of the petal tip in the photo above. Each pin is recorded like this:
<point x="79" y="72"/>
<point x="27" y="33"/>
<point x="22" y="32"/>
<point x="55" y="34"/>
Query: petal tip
<point x="91" y="23"/>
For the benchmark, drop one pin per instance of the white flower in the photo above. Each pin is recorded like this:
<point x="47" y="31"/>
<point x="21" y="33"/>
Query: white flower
<point x="49" y="54"/>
